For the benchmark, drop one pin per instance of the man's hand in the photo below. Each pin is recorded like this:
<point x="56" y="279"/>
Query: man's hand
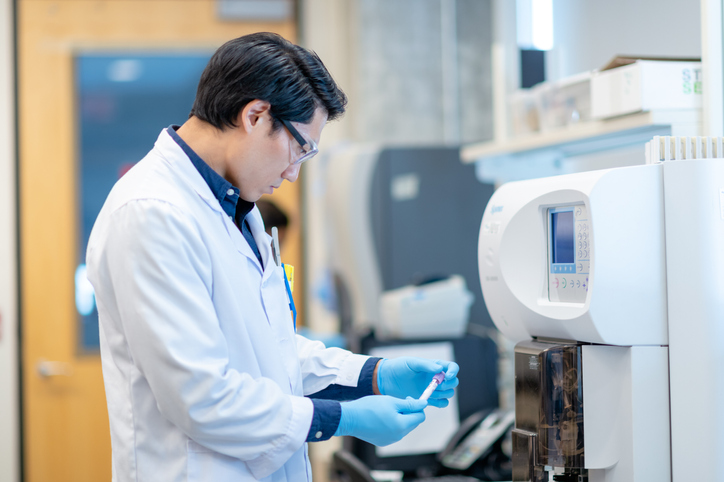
<point x="409" y="376"/>
<point x="380" y="420"/>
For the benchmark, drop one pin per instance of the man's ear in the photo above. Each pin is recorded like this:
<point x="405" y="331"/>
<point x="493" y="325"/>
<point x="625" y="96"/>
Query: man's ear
<point x="253" y="115"/>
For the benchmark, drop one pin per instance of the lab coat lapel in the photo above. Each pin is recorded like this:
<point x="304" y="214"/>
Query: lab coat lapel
<point x="241" y="244"/>
<point x="263" y="240"/>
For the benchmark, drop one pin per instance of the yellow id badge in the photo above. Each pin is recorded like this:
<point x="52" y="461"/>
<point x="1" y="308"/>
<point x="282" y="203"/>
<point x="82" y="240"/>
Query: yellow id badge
<point x="289" y="271"/>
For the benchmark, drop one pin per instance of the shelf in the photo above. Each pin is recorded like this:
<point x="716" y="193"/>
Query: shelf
<point x="591" y="136"/>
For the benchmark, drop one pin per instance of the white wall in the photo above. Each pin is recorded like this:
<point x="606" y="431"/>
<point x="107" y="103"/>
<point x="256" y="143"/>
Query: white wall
<point x="588" y="33"/>
<point x="9" y="415"/>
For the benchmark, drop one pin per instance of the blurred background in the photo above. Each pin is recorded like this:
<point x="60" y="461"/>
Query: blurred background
<point x="447" y="100"/>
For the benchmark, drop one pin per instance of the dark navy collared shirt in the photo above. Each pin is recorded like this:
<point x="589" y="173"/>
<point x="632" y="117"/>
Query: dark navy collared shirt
<point x="327" y="409"/>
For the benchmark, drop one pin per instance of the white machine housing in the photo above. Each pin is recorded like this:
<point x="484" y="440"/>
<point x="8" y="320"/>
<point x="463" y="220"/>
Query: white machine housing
<point x="620" y="292"/>
<point x="608" y="289"/>
<point x="652" y="318"/>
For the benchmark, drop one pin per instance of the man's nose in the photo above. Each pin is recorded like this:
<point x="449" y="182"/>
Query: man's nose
<point x="292" y="172"/>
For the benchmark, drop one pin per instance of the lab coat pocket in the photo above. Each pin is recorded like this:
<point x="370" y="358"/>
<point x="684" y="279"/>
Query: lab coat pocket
<point x="205" y="465"/>
<point x="200" y="463"/>
<point x="277" y="304"/>
<point x="193" y="447"/>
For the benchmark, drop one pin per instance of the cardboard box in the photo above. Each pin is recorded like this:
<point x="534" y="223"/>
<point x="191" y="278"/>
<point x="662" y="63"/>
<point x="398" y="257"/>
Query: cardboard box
<point x="645" y="85"/>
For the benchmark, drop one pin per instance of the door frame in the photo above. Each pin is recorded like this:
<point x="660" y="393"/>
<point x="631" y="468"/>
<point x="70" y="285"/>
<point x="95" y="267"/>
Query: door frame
<point x="10" y="457"/>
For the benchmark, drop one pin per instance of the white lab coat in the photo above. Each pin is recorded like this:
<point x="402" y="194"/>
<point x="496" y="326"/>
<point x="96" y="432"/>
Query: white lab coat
<point x="205" y="378"/>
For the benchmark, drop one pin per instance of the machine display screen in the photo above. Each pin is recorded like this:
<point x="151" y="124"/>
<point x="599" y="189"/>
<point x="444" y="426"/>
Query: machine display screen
<point x="562" y="237"/>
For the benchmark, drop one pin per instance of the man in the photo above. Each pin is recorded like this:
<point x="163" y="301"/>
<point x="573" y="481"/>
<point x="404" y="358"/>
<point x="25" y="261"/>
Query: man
<point x="205" y="377"/>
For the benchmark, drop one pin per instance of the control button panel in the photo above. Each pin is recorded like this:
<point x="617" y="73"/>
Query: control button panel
<point x="570" y="251"/>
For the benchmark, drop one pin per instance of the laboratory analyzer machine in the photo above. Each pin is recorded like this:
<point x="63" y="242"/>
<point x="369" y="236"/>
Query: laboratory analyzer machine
<point x="612" y="283"/>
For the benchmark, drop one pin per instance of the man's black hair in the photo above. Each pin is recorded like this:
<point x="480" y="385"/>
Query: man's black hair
<point x="267" y="67"/>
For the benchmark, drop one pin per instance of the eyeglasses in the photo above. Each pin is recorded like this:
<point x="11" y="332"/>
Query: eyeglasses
<point x="309" y="147"/>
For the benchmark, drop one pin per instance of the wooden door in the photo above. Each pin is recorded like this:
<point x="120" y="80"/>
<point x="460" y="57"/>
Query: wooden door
<point x="65" y="423"/>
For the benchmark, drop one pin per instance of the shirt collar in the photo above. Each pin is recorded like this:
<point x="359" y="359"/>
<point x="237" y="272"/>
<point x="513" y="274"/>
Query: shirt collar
<point x="223" y="190"/>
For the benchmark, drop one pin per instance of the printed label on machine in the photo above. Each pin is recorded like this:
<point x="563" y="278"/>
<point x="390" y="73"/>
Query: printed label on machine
<point x="569" y="253"/>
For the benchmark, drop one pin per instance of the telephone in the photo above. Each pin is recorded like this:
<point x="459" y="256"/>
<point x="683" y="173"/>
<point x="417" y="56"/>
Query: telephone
<point x="476" y="438"/>
<point x="480" y="439"/>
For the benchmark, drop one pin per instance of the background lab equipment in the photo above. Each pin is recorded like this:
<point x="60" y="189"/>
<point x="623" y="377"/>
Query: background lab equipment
<point x="473" y="451"/>
<point x="436" y="309"/>
<point x="476" y="394"/>
<point x="399" y="217"/>
<point x="612" y="283"/>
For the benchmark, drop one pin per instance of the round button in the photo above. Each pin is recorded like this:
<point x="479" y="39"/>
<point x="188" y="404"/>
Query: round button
<point x="318" y="434"/>
<point x="230" y="192"/>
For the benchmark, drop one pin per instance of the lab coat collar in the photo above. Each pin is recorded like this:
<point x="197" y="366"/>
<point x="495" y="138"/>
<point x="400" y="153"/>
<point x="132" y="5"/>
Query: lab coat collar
<point x="226" y="193"/>
<point x="181" y="164"/>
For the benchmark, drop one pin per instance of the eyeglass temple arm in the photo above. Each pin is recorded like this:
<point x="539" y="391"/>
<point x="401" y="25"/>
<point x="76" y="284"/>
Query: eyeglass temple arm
<point x="295" y="133"/>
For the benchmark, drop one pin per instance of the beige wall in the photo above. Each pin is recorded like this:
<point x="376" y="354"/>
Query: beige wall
<point x="9" y="419"/>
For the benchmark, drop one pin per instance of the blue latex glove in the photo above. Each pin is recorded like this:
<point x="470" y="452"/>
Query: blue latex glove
<point x="380" y="420"/>
<point x="409" y="376"/>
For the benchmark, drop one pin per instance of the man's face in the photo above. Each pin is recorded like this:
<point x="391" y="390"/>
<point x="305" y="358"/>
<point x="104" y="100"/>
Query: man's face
<point x="262" y="163"/>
